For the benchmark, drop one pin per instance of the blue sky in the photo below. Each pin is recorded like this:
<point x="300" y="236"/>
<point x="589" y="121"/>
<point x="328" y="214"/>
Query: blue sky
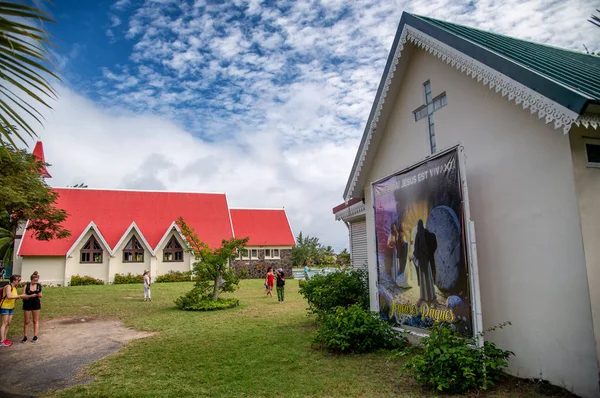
<point x="263" y="100"/>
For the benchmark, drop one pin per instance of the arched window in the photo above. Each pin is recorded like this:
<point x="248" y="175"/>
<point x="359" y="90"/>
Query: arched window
<point x="173" y="251"/>
<point x="133" y="252"/>
<point x="91" y="251"/>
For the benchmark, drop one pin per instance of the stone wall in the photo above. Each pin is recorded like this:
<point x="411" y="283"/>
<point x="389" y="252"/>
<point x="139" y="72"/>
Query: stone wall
<point x="257" y="268"/>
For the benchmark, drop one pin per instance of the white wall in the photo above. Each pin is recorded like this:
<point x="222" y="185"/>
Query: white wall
<point x="50" y="269"/>
<point x="95" y="270"/>
<point x="587" y="181"/>
<point x="523" y="202"/>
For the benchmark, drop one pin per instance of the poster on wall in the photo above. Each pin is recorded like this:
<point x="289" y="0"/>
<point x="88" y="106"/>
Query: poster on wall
<point x="422" y="259"/>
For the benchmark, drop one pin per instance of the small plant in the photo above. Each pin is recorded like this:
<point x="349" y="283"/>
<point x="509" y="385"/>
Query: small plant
<point x="121" y="279"/>
<point x="452" y="363"/>
<point x="356" y="330"/>
<point x="341" y="288"/>
<point x="194" y="300"/>
<point x="175" y="276"/>
<point x="212" y="269"/>
<point x="85" y="280"/>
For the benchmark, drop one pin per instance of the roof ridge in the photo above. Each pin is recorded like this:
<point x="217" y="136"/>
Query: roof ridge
<point x="428" y="19"/>
<point x="138" y="190"/>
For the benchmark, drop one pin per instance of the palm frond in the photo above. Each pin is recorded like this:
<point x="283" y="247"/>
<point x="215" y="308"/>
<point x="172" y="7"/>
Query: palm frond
<point x="23" y="70"/>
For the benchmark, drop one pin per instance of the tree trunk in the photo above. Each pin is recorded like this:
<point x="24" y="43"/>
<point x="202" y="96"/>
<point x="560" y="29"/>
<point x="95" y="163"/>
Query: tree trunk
<point x="216" y="289"/>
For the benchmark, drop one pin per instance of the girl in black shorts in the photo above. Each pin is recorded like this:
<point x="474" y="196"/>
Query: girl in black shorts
<point x="32" y="306"/>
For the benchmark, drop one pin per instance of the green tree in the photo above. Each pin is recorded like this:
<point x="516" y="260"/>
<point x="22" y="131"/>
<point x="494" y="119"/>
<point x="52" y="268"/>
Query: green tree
<point x="7" y="239"/>
<point x="308" y="250"/>
<point x="25" y="196"/>
<point x="344" y="257"/>
<point x="212" y="269"/>
<point x="328" y="255"/>
<point x="23" y="74"/>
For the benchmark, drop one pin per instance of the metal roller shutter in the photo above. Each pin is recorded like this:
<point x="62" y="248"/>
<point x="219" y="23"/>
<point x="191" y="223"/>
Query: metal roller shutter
<point x="359" y="244"/>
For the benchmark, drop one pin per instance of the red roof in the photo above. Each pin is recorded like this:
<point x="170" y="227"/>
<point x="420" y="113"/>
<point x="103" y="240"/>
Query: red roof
<point x="264" y="227"/>
<point x="153" y="212"/>
<point x="38" y="152"/>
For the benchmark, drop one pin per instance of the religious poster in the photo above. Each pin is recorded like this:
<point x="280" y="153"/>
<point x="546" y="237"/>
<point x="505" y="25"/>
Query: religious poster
<point x="421" y="246"/>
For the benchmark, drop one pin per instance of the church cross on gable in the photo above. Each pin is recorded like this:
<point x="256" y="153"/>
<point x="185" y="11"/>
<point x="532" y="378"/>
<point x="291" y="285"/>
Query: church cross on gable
<point x="426" y="110"/>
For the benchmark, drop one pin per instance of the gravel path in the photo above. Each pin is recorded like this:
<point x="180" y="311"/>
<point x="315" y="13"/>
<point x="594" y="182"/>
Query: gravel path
<point x="66" y="345"/>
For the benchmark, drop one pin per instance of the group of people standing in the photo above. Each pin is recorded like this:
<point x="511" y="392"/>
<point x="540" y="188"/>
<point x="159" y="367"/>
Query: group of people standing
<point x="31" y="295"/>
<point x="270" y="282"/>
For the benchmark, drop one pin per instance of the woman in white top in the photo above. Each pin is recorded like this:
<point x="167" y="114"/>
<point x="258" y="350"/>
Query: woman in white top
<point x="147" y="285"/>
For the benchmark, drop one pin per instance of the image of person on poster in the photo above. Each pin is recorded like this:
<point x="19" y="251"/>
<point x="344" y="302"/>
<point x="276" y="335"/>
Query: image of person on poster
<point x="400" y="257"/>
<point x="423" y="258"/>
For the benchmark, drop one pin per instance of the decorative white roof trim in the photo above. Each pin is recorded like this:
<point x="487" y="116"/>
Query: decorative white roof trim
<point x="141" y="235"/>
<point x="588" y="120"/>
<point x="164" y="238"/>
<point x="507" y="87"/>
<point x="355" y="209"/>
<point x="93" y="226"/>
<point x="22" y="239"/>
<point x="289" y="226"/>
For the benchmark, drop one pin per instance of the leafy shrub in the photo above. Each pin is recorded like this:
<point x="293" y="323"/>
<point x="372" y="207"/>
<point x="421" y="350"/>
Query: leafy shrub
<point x="175" y="276"/>
<point x="242" y="273"/>
<point x="194" y="300"/>
<point x="452" y="363"/>
<point x="85" y="280"/>
<point x="356" y="330"/>
<point x="128" y="278"/>
<point x="341" y="288"/>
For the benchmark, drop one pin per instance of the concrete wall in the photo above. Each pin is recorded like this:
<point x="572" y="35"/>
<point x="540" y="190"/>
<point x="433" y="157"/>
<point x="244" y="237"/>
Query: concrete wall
<point x="51" y="269"/>
<point x="532" y="267"/>
<point x="95" y="270"/>
<point x="587" y="182"/>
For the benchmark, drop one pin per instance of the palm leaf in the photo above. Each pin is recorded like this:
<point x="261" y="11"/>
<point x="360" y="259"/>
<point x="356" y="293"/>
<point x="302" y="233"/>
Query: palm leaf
<point x="23" y="70"/>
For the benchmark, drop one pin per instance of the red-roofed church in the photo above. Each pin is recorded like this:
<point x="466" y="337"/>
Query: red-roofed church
<point x="127" y="231"/>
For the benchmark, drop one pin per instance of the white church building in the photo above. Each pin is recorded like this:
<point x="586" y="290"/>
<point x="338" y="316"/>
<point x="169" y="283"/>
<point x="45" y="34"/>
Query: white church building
<point x="526" y="117"/>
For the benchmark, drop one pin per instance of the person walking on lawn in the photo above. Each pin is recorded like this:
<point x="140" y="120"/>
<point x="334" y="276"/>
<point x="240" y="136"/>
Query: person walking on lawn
<point x="147" y="283"/>
<point x="269" y="281"/>
<point x="280" y="285"/>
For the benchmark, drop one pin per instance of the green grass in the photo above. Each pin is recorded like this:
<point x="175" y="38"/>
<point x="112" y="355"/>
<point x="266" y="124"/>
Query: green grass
<point x="259" y="349"/>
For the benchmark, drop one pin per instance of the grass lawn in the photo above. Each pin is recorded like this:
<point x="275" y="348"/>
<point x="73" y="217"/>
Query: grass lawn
<point x="260" y="348"/>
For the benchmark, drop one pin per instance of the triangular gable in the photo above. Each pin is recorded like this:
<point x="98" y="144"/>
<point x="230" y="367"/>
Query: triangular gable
<point x="163" y="240"/>
<point x="550" y="99"/>
<point x="93" y="227"/>
<point x="133" y="226"/>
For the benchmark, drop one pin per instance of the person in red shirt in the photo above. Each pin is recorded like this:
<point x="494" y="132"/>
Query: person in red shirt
<point x="270" y="281"/>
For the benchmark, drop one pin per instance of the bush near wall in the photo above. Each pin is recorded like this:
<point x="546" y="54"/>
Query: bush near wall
<point x="85" y="280"/>
<point x="174" y="276"/>
<point x="338" y="289"/>
<point x="128" y="278"/>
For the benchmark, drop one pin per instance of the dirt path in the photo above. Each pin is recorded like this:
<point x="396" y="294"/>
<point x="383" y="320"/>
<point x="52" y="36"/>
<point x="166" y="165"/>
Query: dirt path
<point x="66" y="345"/>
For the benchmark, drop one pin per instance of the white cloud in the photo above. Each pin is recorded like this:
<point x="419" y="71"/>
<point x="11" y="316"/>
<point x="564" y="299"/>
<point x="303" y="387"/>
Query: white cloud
<point x="108" y="150"/>
<point x="265" y="103"/>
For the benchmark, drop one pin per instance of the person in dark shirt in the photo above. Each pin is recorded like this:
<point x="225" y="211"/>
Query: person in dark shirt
<point x="280" y="285"/>
<point x="32" y="306"/>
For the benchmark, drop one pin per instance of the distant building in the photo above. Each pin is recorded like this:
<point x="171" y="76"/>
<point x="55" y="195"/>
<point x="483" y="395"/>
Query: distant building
<point x="123" y="231"/>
